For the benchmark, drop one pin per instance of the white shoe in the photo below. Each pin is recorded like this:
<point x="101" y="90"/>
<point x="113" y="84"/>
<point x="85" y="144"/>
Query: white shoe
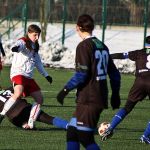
<point x="27" y="127"/>
<point x="31" y="123"/>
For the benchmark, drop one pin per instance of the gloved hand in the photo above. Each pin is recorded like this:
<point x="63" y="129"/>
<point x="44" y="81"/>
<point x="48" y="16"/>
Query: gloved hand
<point x="115" y="100"/>
<point x="49" y="79"/>
<point x="61" y="95"/>
<point x="15" y="48"/>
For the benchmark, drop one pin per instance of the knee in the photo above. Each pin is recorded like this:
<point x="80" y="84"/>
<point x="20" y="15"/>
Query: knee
<point x="39" y="99"/>
<point x="129" y="106"/>
<point x="72" y="134"/>
<point x="17" y="95"/>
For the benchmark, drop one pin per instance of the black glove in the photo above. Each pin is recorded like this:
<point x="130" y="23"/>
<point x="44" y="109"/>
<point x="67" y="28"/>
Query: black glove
<point x="61" y="95"/>
<point x="15" y="48"/>
<point x="49" y="79"/>
<point x="115" y="100"/>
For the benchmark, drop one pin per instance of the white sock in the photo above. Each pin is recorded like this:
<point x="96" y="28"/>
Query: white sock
<point x="8" y="105"/>
<point x="35" y="110"/>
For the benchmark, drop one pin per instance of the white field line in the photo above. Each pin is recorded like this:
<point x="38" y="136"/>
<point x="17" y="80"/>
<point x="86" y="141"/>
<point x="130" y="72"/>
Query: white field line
<point x="73" y="92"/>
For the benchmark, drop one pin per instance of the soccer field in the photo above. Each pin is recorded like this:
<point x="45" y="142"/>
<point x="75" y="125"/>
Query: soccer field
<point x="47" y="137"/>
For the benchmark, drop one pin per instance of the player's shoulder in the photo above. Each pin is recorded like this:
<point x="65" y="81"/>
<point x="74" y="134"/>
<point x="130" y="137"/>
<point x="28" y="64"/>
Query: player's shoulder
<point x="22" y="40"/>
<point x="89" y="43"/>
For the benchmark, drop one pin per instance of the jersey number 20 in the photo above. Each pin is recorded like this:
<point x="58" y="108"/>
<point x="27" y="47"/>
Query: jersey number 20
<point x="102" y="62"/>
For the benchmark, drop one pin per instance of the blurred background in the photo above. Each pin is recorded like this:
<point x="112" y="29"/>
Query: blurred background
<point x="106" y="13"/>
<point x="121" y="24"/>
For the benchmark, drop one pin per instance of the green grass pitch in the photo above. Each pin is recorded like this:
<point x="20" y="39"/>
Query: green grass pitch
<point x="126" y="136"/>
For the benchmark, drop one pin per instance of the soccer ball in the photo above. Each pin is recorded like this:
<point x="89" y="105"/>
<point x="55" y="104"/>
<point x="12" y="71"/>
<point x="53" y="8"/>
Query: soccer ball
<point x="102" y="127"/>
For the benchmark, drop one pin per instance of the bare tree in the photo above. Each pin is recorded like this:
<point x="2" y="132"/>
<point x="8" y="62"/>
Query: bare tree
<point x="136" y="11"/>
<point x="44" y="14"/>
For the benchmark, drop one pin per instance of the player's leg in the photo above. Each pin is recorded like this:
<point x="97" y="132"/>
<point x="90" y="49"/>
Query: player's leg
<point x="145" y="138"/>
<point x="86" y="138"/>
<point x="117" y="119"/>
<point x="35" y="110"/>
<point x="56" y="121"/>
<point x="122" y="113"/>
<point x="18" y="89"/>
<point x="87" y="119"/>
<point x="35" y="92"/>
<point x="136" y="94"/>
<point x="72" y="135"/>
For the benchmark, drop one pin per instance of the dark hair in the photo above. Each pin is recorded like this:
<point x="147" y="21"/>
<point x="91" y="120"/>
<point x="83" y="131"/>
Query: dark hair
<point x="85" y="23"/>
<point x="147" y="40"/>
<point x="34" y="28"/>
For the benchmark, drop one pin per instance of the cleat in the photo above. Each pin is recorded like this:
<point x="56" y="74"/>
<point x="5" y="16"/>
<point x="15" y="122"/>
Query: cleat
<point x="145" y="140"/>
<point x="107" y="134"/>
<point x="1" y="118"/>
<point x="31" y="123"/>
<point x="25" y="126"/>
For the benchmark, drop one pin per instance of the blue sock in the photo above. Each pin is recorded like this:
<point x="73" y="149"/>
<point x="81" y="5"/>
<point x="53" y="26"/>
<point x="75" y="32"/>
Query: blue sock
<point x="119" y="116"/>
<point x="93" y="146"/>
<point x="147" y="130"/>
<point x="60" y="123"/>
<point x="73" y="146"/>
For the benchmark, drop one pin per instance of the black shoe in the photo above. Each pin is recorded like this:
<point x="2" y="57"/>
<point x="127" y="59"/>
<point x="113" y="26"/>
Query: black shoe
<point x="107" y="134"/>
<point x="1" y="118"/>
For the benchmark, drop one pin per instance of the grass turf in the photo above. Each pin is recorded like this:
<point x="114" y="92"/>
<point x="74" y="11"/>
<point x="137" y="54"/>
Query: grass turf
<point x="126" y="136"/>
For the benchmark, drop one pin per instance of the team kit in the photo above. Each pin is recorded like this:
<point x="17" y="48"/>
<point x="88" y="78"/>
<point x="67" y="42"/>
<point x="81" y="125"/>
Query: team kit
<point x="93" y="65"/>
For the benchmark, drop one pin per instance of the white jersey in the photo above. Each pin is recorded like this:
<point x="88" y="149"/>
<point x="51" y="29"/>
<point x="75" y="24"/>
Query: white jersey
<point x="25" y="60"/>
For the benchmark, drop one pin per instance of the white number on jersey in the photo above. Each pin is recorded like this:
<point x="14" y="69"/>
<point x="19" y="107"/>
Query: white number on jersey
<point x="102" y="57"/>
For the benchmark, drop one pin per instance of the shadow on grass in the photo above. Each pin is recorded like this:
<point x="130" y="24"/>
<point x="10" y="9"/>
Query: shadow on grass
<point x="58" y="106"/>
<point x="128" y="130"/>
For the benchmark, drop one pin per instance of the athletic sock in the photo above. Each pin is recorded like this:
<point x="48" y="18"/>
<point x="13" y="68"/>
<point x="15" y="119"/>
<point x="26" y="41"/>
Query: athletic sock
<point x="119" y="116"/>
<point x="73" y="145"/>
<point x="93" y="146"/>
<point x="60" y="123"/>
<point x="8" y="105"/>
<point x="35" y="110"/>
<point x="147" y="130"/>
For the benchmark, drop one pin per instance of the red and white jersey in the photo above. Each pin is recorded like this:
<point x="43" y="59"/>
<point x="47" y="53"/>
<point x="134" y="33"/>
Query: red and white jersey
<point x="25" y="60"/>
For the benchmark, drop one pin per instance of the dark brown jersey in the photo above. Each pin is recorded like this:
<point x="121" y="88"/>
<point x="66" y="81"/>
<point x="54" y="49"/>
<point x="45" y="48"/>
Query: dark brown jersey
<point x="142" y="61"/>
<point x="92" y="57"/>
<point x="4" y="96"/>
<point x="141" y="86"/>
<point x="20" y="107"/>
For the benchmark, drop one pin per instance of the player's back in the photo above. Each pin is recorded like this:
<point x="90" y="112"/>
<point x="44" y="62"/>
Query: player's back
<point x="142" y="61"/>
<point x="96" y="56"/>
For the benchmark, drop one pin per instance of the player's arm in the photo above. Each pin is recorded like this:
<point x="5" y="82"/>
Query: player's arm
<point x="19" y="46"/>
<point x="74" y="82"/>
<point x="115" y="82"/>
<point x="41" y="69"/>
<point x="77" y="79"/>
<point x="119" y="56"/>
<point x="80" y="75"/>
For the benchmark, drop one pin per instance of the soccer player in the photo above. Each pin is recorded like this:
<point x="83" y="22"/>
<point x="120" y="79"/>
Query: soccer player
<point x="19" y="113"/>
<point x="139" y="90"/>
<point x="93" y="63"/>
<point x="25" y="59"/>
